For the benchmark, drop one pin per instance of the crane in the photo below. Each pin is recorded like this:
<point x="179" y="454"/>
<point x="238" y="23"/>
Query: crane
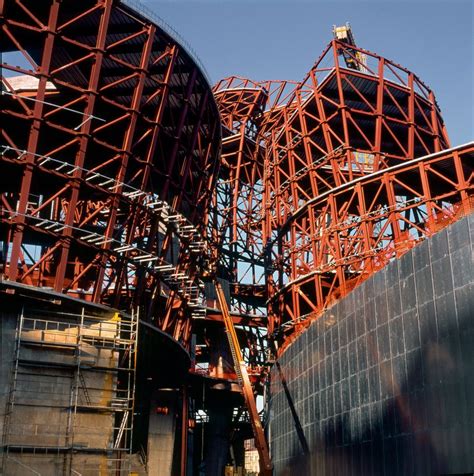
<point x="245" y="385"/>
<point x="353" y="58"/>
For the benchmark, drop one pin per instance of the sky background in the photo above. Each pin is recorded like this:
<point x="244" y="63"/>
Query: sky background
<point x="268" y="39"/>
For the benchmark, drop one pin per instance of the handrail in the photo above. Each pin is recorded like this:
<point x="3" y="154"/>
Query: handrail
<point x="152" y="203"/>
<point x="168" y="29"/>
<point x="171" y="275"/>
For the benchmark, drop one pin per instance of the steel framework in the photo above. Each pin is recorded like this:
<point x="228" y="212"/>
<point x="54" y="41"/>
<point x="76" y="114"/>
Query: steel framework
<point x="338" y="239"/>
<point x="109" y="152"/>
<point x="126" y="178"/>
<point x="356" y="170"/>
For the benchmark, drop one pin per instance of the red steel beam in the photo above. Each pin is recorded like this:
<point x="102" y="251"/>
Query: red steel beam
<point x="324" y="141"/>
<point x="108" y="102"/>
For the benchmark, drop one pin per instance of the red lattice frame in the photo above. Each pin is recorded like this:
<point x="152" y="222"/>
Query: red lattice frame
<point x="340" y="238"/>
<point x="341" y="123"/>
<point x="336" y="131"/>
<point x="129" y="112"/>
<point x="238" y="194"/>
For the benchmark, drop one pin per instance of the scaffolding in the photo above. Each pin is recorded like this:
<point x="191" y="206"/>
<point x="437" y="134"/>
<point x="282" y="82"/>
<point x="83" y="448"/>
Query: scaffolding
<point x="71" y="398"/>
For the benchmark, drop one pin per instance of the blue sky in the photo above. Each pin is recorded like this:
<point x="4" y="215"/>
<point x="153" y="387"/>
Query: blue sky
<point x="267" y="39"/>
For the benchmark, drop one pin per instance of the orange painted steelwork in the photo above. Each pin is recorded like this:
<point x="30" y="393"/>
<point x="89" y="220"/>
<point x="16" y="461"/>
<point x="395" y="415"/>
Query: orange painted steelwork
<point x="356" y="170"/>
<point x="338" y="239"/>
<point x="110" y="158"/>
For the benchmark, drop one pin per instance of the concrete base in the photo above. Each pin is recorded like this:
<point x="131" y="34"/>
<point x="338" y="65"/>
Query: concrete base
<point x="161" y="434"/>
<point x="58" y="409"/>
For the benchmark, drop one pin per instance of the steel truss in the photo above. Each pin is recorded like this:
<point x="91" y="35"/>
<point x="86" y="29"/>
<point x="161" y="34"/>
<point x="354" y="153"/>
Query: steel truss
<point x="115" y="188"/>
<point x="235" y="220"/>
<point x="338" y="239"/>
<point x="110" y="152"/>
<point x="356" y="170"/>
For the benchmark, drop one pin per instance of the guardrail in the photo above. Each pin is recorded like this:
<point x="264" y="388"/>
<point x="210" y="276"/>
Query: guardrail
<point x="167" y="28"/>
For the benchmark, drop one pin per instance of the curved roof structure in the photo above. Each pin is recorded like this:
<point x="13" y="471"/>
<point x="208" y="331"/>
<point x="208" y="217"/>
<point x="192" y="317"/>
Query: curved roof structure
<point x="336" y="175"/>
<point x="110" y="148"/>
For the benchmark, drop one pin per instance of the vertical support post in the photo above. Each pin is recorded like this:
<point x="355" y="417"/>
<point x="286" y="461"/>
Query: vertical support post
<point x="184" y="431"/>
<point x="43" y="73"/>
<point x="392" y="205"/>
<point x="462" y="184"/>
<point x="125" y="154"/>
<point x="379" y="114"/>
<point x="425" y="185"/>
<point x="434" y="123"/>
<point x="90" y="98"/>
<point x="342" y="104"/>
<point x="411" y="118"/>
<point x="366" y="226"/>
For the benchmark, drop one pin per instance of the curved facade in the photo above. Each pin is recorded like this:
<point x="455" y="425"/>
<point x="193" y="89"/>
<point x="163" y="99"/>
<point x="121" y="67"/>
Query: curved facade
<point x="238" y="195"/>
<point x="333" y="182"/>
<point x="331" y="216"/>
<point x="381" y="382"/>
<point x="339" y="238"/>
<point x="109" y="151"/>
<point x="348" y="169"/>
<point x="129" y="186"/>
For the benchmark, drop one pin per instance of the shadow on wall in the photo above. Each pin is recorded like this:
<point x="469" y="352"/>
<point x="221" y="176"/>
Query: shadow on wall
<point x="420" y="432"/>
<point x="413" y="411"/>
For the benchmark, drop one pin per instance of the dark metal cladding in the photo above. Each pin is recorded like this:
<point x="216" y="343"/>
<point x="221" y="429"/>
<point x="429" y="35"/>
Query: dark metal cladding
<point x="382" y="381"/>
<point x="333" y="214"/>
<point x="326" y="182"/>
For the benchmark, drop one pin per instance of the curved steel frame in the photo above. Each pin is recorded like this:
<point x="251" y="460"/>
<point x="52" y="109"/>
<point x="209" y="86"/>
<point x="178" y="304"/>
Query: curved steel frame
<point x="340" y="238"/>
<point x="112" y="189"/>
<point x="356" y="170"/>
<point x="110" y="153"/>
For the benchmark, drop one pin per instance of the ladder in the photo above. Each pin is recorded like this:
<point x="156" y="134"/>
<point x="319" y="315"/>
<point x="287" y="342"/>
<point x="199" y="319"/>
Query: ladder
<point x="245" y="385"/>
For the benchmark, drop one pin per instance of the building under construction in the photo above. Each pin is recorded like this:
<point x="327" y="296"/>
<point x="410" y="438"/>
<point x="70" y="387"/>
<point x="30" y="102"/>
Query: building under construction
<point x="185" y="268"/>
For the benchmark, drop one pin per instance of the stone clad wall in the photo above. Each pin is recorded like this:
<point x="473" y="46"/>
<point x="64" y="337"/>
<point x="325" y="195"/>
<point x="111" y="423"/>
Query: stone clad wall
<point x="382" y="382"/>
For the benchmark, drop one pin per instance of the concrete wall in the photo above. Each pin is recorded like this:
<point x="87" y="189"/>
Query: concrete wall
<point x="382" y="382"/>
<point x="48" y="396"/>
<point x="7" y="348"/>
<point x="161" y="434"/>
